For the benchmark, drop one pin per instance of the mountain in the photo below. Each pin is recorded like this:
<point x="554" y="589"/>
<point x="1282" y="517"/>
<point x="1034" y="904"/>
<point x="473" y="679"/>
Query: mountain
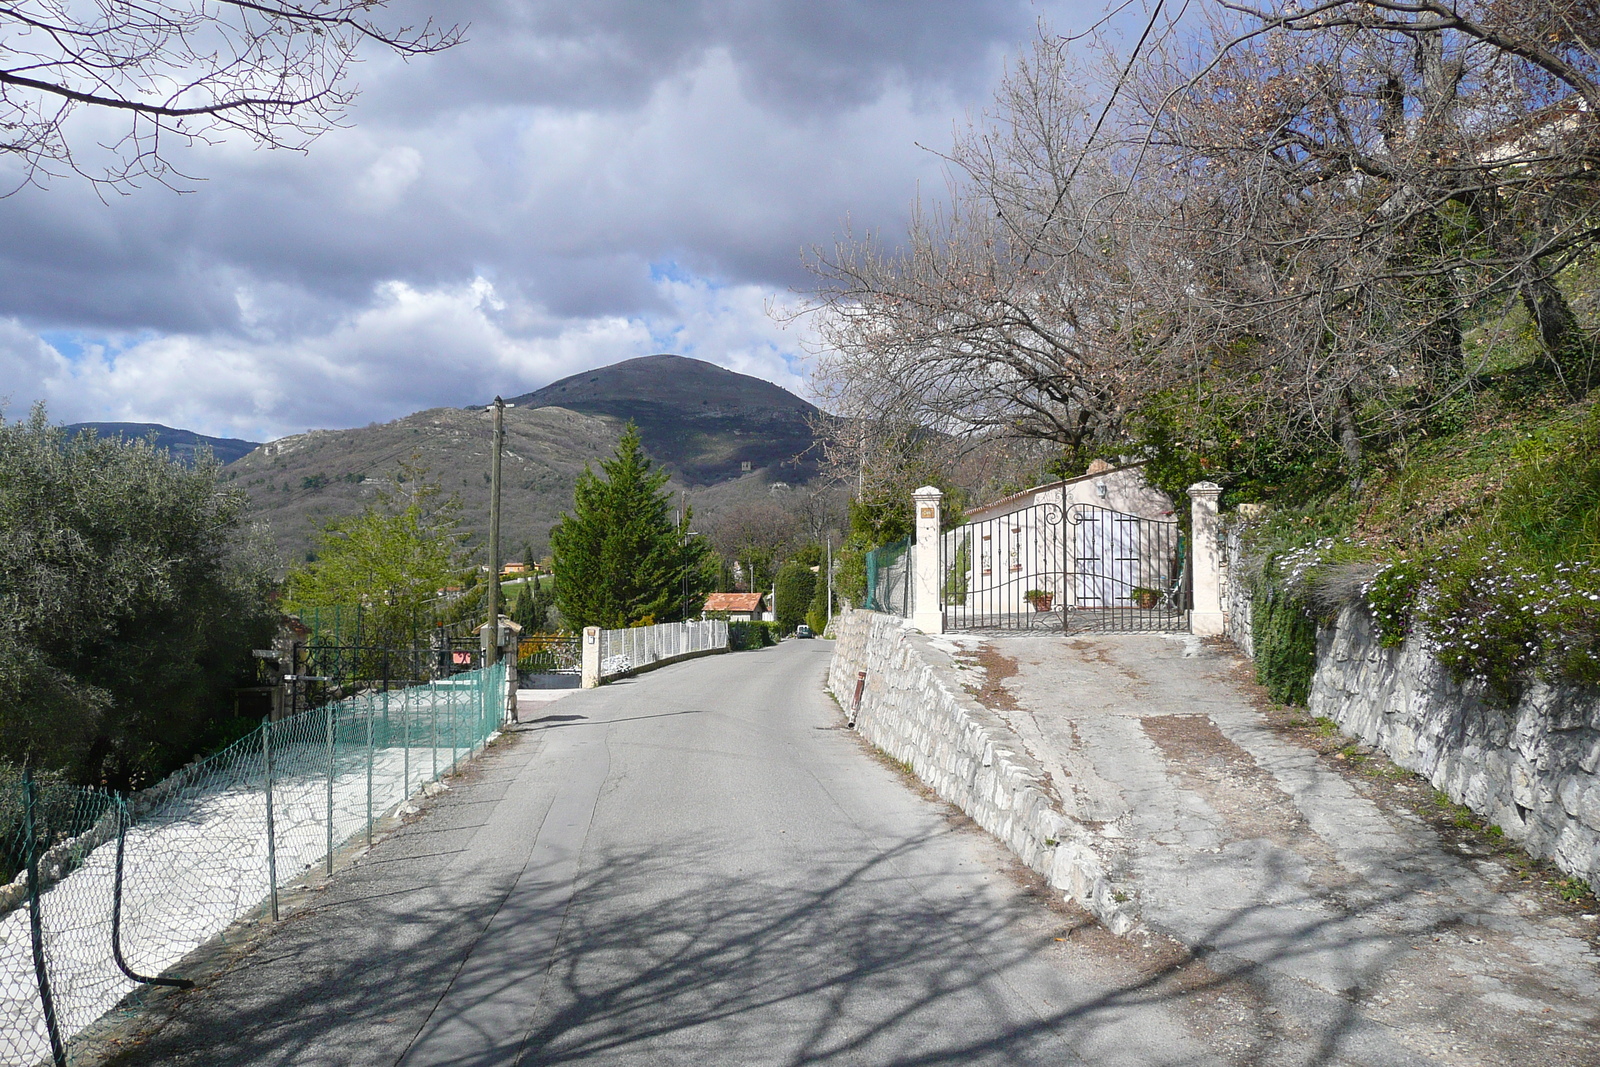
<point x="700" y="422"/>
<point x="296" y="484"/>
<point x="703" y="422"/>
<point x="180" y="443"/>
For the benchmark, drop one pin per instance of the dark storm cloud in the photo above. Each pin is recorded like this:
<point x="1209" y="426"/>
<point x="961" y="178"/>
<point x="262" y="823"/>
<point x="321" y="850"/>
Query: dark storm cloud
<point x="796" y="55"/>
<point x="576" y="184"/>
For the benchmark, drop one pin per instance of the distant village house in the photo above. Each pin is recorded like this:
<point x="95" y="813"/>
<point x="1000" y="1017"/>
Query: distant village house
<point x="738" y="607"/>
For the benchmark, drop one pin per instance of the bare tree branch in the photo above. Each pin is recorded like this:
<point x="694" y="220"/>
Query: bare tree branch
<point x="191" y="69"/>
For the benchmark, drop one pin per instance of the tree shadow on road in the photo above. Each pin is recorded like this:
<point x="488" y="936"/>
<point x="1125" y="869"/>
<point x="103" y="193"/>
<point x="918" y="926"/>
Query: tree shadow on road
<point x="671" y="954"/>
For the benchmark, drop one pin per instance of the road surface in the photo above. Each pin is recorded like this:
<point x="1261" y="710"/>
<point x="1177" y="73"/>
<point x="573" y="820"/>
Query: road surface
<point x="694" y="866"/>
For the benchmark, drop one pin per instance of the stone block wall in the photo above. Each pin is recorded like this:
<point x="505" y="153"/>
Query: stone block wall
<point x="1235" y="592"/>
<point x="1530" y="769"/>
<point x="1533" y="770"/>
<point x="914" y="708"/>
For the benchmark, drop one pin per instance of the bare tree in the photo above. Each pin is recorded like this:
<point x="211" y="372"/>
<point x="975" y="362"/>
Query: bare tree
<point x="1355" y="181"/>
<point x="756" y="534"/>
<point x="1005" y="312"/>
<point x="274" y="70"/>
<point x="1282" y="229"/>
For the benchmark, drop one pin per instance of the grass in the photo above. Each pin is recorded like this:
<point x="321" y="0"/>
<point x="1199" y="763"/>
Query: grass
<point x="1494" y="512"/>
<point x="1573" y="890"/>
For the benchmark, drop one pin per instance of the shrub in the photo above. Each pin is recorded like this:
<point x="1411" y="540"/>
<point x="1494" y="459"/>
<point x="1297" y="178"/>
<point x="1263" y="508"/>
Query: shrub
<point x="817" y="612"/>
<point x="1285" y="639"/>
<point x="747" y="635"/>
<point x="1392" y="596"/>
<point x="796" y="584"/>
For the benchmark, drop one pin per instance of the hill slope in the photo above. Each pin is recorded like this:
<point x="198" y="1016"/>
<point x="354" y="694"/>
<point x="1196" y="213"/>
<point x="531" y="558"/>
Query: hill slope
<point x="297" y="483"/>
<point x="180" y="443"/>
<point x="702" y="421"/>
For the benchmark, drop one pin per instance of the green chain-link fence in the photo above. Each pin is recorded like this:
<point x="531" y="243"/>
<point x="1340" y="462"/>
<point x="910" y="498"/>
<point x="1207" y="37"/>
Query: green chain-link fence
<point x="889" y="579"/>
<point x="105" y="891"/>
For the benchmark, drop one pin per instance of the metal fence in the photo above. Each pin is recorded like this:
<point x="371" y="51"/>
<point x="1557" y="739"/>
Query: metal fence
<point x="1070" y="567"/>
<point x="627" y="650"/>
<point x="889" y="578"/>
<point x="108" y="891"/>
<point x="555" y="653"/>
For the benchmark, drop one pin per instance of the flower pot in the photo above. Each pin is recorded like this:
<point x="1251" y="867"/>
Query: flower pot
<point x="1041" y="603"/>
<point x="1146" y="598"/>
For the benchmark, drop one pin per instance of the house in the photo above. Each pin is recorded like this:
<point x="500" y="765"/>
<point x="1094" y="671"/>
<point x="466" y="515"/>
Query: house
<point x="739" y="607"/>
<point x="1105" y="485"/>
<point x="1103" y="539"/>
<point x="509" y="569"/>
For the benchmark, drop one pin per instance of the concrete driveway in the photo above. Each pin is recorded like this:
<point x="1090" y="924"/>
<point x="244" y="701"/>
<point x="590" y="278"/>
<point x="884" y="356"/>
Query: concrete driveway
<point x="1353" y="930"/>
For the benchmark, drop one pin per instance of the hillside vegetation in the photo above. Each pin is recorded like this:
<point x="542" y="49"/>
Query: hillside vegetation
<point x="1481" y="528"/>
<point x="297" y="484"/>
<point x="698" y="422"/>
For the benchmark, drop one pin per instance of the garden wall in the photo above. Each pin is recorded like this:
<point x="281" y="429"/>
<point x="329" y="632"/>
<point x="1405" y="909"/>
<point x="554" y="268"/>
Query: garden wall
<point x="914" y="707"/>
<point x="1530" y="769"/>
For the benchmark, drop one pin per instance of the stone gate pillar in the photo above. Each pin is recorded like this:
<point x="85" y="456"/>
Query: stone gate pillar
<point x="1205" y="553"/>
<point x="591" y="656"/>
<point x="927" y="614"/>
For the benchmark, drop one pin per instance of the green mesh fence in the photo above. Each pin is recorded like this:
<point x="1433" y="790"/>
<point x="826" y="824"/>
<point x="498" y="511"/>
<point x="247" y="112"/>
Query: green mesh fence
<point x="889" y="579"/>
<point x="104" y="891"/>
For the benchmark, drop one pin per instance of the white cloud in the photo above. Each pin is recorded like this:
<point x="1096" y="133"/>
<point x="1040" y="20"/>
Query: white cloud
<point x="501" y="215"/>
<point x="409" y="349"/>
<point x="386" y="179"/>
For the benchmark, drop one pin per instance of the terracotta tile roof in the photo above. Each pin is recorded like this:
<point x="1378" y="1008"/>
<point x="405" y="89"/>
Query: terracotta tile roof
<point x="734" y="602"/>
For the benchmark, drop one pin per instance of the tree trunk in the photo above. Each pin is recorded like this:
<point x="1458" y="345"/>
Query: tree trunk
<point x="1565" y="348"/>
<point x="1349" y="438"/>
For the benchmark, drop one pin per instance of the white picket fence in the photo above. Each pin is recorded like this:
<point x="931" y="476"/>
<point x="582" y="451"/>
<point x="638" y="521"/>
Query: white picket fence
<point x="625" y="651"/>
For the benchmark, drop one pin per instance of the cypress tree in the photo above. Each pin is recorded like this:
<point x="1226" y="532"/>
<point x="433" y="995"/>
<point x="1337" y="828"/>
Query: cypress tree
<point x="796" y="584"/>
<point x="619" y="558"/>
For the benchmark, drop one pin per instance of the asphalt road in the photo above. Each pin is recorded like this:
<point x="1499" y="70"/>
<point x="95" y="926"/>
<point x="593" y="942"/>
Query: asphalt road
<point x="694" y="866"/>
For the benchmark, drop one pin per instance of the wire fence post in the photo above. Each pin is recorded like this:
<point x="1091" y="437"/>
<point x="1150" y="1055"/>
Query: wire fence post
<point x="405" y="742"/>
<point x="433" y="727"/>
<point x="35" y="920"/>
<point x="332" y="756"/>
<point x="370" y="711"/>
<point x="272" y="845"/>
<point x="116" y="911"/>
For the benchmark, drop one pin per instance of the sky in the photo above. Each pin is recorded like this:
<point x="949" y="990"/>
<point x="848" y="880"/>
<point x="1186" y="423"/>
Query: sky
<point x="574" y="185"/>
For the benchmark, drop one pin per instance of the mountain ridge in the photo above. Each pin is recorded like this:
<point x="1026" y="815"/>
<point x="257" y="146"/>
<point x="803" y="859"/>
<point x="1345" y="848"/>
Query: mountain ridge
<point x="298" y="483"/>
<point x="703" y="422"/>
<point x="181" y="443"/>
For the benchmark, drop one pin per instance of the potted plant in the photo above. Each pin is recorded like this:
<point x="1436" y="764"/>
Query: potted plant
<point x="1039" y="598"/>
<point x="1146" y="597"/>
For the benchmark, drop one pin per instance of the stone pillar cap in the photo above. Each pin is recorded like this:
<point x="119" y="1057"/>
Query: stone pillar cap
<point x="1205" y="489"/>
<point x="926" y="491"/>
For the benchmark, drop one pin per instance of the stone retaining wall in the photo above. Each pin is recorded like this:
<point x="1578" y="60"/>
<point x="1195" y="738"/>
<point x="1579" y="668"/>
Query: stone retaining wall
<point x="914" y="708"/>
<point x="1235" y="593"/>
<point x="1533" y="770"/>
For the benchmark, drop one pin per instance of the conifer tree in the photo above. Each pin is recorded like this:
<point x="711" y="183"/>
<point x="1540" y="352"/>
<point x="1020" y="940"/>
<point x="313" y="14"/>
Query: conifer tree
<point x="619" y="558"/>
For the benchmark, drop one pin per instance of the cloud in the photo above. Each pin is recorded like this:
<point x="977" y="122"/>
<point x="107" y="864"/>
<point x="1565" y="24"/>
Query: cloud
<point x="407" y="350"/>
<point x="498" y="215"/>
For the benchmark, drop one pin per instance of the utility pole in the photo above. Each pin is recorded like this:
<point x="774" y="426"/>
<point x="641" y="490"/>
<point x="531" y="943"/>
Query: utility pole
<point x="492" y="655"/>
<point x="829" y="542"/>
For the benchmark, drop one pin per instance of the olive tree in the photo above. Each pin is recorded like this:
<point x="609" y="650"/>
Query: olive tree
<point x="131" y="594"/>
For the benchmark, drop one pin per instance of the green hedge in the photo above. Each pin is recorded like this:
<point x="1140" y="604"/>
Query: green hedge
<point x="745" y="635"/>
